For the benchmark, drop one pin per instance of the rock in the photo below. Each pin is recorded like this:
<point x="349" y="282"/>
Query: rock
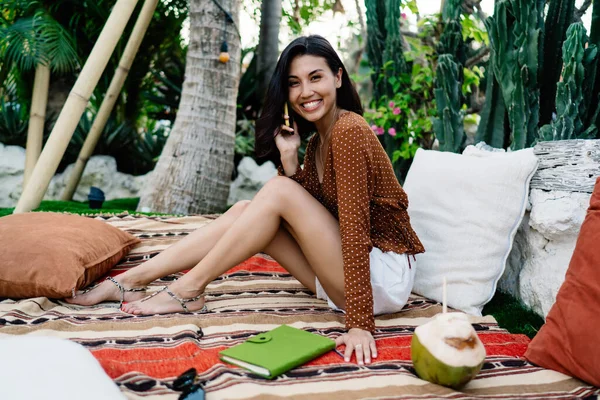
<point x="12" y="165"/>
<point x="543" y="247"/>
<point x="101" y="171"/>
<point x="251" y="178"/>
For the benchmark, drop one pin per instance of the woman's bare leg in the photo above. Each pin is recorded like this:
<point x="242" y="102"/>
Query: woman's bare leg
<point x="317" y="248"/>
<point x="181" y="256"/>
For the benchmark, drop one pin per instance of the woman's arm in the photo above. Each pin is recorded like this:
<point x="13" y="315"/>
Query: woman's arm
<point x="352" y="163"/>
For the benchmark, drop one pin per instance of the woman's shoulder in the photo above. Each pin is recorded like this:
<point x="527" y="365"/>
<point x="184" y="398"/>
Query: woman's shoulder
<point x="350" y="127"/>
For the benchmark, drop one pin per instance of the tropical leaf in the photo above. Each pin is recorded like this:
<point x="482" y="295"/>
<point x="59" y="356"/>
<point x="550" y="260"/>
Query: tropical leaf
<point x="19" y="44"/>
<point x="58" y="44"/>
<point x="38" y="39"/>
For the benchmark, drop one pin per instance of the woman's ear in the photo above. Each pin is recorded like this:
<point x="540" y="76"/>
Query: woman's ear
<point x="338" y="78"/>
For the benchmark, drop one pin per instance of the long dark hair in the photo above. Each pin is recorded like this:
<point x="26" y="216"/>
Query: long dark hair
<point x="277" y="94"/>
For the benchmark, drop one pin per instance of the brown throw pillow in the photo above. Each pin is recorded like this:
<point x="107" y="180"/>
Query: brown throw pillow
<point x="49" y="254"/>
<point x="568" y="341"/>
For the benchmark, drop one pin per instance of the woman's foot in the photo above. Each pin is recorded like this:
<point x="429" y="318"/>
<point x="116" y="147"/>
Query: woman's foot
<point x="170" y="299"/>
<point x="110" y="290"/>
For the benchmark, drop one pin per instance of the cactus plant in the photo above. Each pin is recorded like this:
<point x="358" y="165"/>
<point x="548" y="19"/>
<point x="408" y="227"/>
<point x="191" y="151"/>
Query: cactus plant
<point x="449" y="126"/>
<point x="515" y="37"/>
<point x="571" y="107"/>
<point x="451" y="10"/>
<point x="376" y="43"/>
<point x="492" y="128"/>
<point x="451" y="42"/>
<point x="394" y="50"/>
<point x="384" y="44"/>
<point x="558" y="19"/>
<point x="594" y="81"/>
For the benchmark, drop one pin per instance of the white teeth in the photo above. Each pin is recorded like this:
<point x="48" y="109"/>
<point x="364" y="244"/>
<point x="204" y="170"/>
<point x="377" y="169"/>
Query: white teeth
<point x="312" y="104"/>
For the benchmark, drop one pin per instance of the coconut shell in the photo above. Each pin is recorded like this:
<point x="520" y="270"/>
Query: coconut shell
<point x="433" y="370"/>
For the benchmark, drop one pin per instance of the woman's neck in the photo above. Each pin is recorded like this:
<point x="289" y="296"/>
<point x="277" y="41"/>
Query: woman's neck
<point x="325" y="124"/>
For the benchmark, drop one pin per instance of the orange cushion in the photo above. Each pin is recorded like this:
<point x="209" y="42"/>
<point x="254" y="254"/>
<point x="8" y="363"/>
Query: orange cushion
<point x="568" y="341"/>
<point x="49" y="254"/>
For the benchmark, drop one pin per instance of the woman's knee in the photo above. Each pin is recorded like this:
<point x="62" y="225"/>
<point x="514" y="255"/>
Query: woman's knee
<point x="238" y="208"/>
<point x="280" y="188"/>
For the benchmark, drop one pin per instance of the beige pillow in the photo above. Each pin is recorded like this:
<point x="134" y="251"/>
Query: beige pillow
<point x="50" y="254"/>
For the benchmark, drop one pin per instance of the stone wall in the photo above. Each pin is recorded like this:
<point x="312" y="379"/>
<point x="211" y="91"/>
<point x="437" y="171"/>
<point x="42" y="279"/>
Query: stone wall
<point x="101" y="171"/>
<point x="543" y="247"/>
<point x="558" y="200"/>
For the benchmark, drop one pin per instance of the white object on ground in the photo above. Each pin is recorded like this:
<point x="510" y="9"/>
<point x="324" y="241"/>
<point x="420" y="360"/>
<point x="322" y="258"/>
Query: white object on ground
<point x="38" y="367"/>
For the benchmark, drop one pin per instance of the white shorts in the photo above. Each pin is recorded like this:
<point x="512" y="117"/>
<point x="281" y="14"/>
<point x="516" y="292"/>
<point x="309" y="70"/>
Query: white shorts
<point x="392" y="278"/>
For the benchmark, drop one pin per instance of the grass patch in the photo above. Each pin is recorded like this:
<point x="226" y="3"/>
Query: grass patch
<point x="510" y="314"/>
<point x="82" y="207"/>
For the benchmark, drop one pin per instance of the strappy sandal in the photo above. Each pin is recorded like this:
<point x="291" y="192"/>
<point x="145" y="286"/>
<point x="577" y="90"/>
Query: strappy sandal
<point x="123" y="289"/>
<point x="180" y="300"/>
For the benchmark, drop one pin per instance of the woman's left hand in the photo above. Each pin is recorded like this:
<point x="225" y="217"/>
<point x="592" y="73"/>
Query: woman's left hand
<point x="360" y="342"/>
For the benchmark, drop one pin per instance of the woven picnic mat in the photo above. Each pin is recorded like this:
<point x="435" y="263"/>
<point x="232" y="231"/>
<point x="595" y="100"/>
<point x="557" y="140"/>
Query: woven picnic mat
<point x="143" y="354"/>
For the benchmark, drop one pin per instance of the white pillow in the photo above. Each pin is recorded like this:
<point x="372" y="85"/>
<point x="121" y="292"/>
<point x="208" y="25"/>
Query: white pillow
<point x="466" y="210"/>
<point x="38" y="367"/>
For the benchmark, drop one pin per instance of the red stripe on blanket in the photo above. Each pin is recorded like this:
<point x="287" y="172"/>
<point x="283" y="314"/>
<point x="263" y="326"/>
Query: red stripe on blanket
<point x="253" y="264"/>
<point x="169" y="362"/>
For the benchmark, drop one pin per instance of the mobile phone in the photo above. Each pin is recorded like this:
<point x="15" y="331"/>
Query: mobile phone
<point x="288" y="122"/>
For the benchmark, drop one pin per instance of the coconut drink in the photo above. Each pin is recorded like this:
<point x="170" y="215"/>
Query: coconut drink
<point x="447" y="350"/>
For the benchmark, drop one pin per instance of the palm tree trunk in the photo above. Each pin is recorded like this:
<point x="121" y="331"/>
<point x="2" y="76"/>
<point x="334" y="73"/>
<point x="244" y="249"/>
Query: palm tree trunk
<point x="37" y="117"/>
<point x="268" y="43"/>
<point x="73" y="109"/>
<point x="133" y="44"/>
<point x="193" y="173"/>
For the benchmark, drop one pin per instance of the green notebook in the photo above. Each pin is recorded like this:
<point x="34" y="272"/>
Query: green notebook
<point x="272" y="353"/>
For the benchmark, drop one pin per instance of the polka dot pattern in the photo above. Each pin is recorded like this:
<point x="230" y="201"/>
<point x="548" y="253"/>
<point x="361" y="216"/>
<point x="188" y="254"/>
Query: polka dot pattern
<point x="361" y="190"/>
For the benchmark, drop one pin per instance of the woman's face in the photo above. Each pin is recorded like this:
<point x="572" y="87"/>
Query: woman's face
<point x="312" y="87"/>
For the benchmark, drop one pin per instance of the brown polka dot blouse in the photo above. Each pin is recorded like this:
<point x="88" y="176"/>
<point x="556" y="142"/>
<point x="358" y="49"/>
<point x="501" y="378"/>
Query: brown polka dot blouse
<point x="361" y="190"/>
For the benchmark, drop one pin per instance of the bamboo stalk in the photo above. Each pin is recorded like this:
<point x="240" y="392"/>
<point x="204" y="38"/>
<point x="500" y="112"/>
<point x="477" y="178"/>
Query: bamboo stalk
<point x="37" y="117"/>
<point x="74" y="107"/>
<point x="131" y="49"/>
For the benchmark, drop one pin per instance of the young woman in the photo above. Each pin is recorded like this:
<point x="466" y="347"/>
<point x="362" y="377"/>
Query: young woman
<point x="339" y="225"/>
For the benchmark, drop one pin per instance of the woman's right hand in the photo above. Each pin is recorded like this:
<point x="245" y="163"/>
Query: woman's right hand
<point x="287" y="140"/>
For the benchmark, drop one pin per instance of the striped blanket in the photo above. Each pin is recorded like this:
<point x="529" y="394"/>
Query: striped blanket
<point x="143" y="354"/>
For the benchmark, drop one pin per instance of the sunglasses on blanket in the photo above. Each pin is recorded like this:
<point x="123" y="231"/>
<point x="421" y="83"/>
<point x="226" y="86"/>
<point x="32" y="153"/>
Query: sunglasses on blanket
<point x="185" y="383"/>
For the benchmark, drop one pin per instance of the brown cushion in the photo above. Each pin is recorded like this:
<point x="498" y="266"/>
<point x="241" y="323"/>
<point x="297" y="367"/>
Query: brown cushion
<point x="49" y="254"/>
<point x="568" y="341"/>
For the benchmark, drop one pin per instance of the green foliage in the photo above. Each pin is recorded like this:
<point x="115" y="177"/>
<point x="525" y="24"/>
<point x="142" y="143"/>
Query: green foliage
<point x="540" y="74"/>
<point x="13" y="122"/>
<point x="116" y="206"/>
<point x="512" y="316"/>
<point x="390" y="75"/>
<point x="140" y="122"/>
<point x="492" y="129"/>
<point x="303" y="12"/>
<point x="515" y="32"/>
<point x="558" y="19"/>
<point x="472" y="30"/>
<point x="34" y="39"/>
<point x="414" y="104"/>
<point x="449" y="126"/>
<point x="571" y="107"/>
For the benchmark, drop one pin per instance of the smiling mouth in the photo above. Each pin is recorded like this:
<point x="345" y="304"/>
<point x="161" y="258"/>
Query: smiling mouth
<point x="311" y="105"/>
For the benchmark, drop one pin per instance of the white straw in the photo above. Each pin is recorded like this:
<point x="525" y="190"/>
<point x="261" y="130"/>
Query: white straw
<point x="444" y="306"/>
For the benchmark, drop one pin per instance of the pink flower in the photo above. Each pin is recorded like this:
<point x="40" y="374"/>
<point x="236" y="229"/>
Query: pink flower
<point x="391" y="104"/>
<point x="374" y="128"/>
<point x="396" y="111"/>
<point x="380" y="131"/>
<point x="392" y="132"/>
<point x="403" y="15"/>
